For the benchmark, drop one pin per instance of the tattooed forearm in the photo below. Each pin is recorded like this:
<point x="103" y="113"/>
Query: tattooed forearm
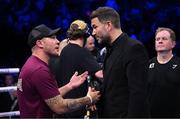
<point x="60" y="105"/>
<point x="74" y="104"/>
<point x="53" y="101"/>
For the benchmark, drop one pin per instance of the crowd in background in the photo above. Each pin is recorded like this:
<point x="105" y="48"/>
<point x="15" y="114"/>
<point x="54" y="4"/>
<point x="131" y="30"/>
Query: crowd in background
<point x="8" y="99"/>
<point x="139" y="19"/>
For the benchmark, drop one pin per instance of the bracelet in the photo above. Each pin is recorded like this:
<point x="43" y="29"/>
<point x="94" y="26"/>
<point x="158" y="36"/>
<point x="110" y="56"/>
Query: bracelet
<point x="90" y="98"/>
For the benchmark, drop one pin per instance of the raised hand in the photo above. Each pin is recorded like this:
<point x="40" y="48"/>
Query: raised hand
<point x="77" y="80"/>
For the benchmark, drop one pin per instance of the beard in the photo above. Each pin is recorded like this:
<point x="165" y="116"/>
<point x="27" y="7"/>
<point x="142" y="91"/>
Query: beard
<point x="105" y="41"/>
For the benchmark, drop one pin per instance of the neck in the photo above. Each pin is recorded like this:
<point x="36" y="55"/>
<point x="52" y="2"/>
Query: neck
<point x="78" y="41"/>
<point x="115" y="34"/>
<point x="41" y="55"/>
<point x="164" y="57"/>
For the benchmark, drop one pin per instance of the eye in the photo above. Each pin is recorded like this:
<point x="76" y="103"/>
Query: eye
<point x="94" y="27"/>
<point x="157" y="39"/>
<point x="164" y="38"/>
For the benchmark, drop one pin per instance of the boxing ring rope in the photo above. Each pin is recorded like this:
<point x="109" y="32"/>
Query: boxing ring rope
<point x="9" y="70"/>
<point x="12" y="113"/>
<point x="8" y="89"/>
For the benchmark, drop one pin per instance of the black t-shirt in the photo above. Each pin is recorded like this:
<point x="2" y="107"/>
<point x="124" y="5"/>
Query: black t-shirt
<point x="164" y="88"/>
<point x="75" y="58"/>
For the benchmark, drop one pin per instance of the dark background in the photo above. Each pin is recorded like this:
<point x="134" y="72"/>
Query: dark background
<point x="139" y="18"/>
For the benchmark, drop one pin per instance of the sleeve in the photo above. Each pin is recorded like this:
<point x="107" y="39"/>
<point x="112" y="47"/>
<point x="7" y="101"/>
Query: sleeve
<point x="137" y="70"/>
<point x="45" y="84"/>
<point x="89" y="63"/>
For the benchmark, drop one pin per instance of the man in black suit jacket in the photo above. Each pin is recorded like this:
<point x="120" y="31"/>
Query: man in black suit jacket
<point x="124" y="91"/>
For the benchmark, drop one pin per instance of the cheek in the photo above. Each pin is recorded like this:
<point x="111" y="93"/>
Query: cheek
<point x="105" y="33"/>
<point x="97" y="31"/>
<point x="156" y="43"/>
<point x="100" y="30"/>
<point x="171" y="46"/>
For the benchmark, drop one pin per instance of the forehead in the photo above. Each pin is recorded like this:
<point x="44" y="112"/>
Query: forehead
<point x="90" y="41"/>
<point x="163" y="34"/>
<point x="90" y="38"/>
<point x="95" y="21"/>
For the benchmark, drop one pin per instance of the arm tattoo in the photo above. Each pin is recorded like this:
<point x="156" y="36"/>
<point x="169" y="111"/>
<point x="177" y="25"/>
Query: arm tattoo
<point x="53" y="101"/>
<point x="66" y="105"/>
<point x="74" y="104"/>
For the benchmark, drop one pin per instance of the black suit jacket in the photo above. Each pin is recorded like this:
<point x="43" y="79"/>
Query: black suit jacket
<point x="124" y="91"/>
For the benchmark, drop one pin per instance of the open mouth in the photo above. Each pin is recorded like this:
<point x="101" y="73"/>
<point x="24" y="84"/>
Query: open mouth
<point x="57" y="48"/>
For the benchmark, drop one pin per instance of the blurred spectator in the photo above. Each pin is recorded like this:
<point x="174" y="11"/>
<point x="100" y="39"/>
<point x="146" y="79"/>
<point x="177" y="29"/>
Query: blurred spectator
<point x="164" y="75"/>
<point x="90" y="45"/>
<point x="139" y="18"/>
<point x="8" y="99"/>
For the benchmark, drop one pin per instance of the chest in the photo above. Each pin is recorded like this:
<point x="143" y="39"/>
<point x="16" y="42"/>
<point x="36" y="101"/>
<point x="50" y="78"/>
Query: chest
<point x="166" y="74"/>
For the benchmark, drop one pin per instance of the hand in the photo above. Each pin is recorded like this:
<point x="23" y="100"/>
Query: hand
<point x="77" y="80"/>
<point x="93" y="95"/>
<point x="92" y="107"/>
<point x="99" y="74"/>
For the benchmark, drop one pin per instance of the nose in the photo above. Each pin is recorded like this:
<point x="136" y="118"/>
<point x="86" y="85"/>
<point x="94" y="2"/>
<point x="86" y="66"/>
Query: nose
<point x="57" y="41"/>
<point x="160" y="40"/>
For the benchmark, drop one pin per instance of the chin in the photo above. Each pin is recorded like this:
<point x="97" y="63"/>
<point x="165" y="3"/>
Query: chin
<point x="160" y="49"/>
<point x="55" y="54"/>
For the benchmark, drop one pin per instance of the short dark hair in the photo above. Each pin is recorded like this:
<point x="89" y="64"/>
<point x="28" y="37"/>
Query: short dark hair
<point x="171" y="32"/>
<point x="107" y="14"/>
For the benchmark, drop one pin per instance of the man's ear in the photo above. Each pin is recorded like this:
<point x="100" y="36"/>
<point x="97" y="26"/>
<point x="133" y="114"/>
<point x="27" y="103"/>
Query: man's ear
<point x="173" y="44"/>
<point x="108" y="25"/>
<point x="39" y="43"/>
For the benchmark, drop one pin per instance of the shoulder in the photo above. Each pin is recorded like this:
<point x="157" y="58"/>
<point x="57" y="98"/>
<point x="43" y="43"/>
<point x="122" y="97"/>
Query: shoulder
<point x="34" y="66"/>
<point x="72" y="48"/>
<point x="31" y="65"/>
<point x="152" y="63"/>
<point x="135" y="48"/>
<point x="177" y="59"/>
<point x="152" y="60"/>
<point x="134" y="43"/>
<point x="130" y="44"/>
<point x="128" y="40"/>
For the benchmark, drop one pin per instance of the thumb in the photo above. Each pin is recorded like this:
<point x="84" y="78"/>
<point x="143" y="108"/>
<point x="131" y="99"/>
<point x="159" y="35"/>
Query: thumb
<point x="76" y="73"/>
<point x="89" y="88"/>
